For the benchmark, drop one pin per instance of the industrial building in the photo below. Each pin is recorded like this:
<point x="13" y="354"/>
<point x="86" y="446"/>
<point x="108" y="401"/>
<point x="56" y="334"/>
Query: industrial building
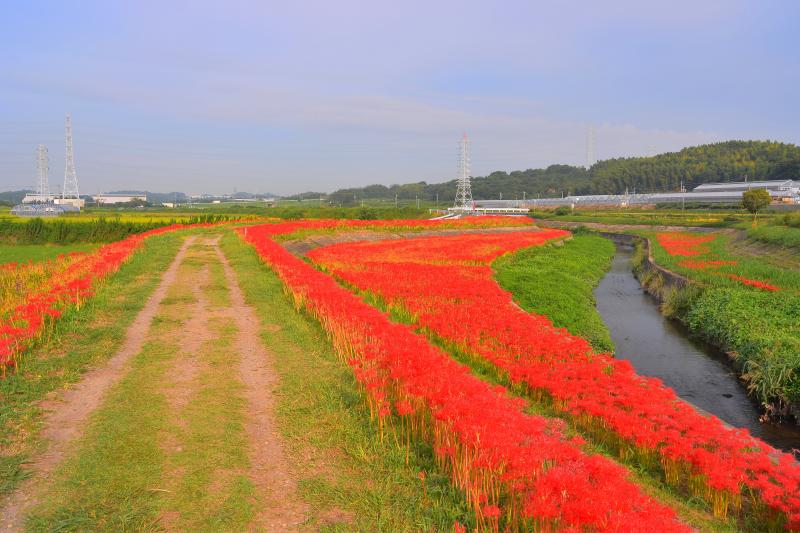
<point x="111" y="199"/>
<point x="785" y="187"/>
<point x="42" y="203"/>
<point x="781" y="191"/>
<point x="42" y="210"/>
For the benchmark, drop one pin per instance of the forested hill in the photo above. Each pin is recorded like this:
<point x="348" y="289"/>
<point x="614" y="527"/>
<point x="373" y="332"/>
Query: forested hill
<point x="546" y="182"/>
<point x="727" y="161"/>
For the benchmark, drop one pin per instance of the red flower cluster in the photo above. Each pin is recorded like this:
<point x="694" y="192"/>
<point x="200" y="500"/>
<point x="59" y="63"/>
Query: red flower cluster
<point x="700" y="264"/>
<point x="686" y="244"/>
<point x="446" y="285"/>
<point x="23" y="323"/>
<point x="400" y="225"/>
<point x="514" y="468"/>
<point x="754" y="283"/>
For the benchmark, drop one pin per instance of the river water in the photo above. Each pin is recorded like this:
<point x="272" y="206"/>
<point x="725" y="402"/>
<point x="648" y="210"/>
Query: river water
<point x="659" y="347"/>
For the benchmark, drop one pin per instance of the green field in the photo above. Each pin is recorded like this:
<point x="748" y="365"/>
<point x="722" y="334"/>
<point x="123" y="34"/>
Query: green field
<point x="558" y="282"/>
<point x="22" y="253"/>
<point x="760" y="328"/>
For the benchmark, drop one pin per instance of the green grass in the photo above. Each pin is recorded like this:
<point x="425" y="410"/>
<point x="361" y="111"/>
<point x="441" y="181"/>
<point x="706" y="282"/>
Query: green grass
<point x="81" y="339"/>
<point x="761" y="329"/>
<point x="558" y="282"/>
<point x="749" y="266"/>
<point x="22" y="253"/>
<point x="652" y="217"/>
<point x="524" y="267"/>
<point x="150" y="462"/>
<point x="786" y="236"/>
<point x="353" y="480"/>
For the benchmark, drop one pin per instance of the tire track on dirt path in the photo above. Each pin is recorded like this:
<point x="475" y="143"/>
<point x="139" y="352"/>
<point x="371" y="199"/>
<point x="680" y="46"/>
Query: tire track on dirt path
<point x="67" y="414"/>
<point x="281" y="509"/>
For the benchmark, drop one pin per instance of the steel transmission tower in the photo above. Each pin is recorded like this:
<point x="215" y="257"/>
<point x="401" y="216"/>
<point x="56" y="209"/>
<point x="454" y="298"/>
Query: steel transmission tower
<point x="70" y="189"/>
<point x="42" y="168"/>
<point x="464" y="189"/>
<point x="589" y="145"/>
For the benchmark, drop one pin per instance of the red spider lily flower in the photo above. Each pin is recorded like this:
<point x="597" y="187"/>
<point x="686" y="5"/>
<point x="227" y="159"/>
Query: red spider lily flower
<point x="686" y="244"/>
<point x="445" y="286"/>
<point x="52" y="286"/>
<point x="699" y="264"/>
<point x="754" y="283"/>
<point x="479" y="433"/>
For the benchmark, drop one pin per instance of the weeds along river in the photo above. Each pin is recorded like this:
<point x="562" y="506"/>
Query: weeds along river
<point x="657" y="346"/>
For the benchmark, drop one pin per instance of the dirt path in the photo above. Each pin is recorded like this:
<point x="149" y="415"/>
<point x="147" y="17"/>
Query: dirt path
<point x="67" y="413"/>
<point x="281" y="509"/>
<point x="199" y="295"/>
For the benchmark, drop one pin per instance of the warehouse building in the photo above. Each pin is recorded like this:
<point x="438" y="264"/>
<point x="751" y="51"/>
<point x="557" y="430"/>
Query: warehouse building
<point x="111" y="199"/>
<point x="787" y="188"/>
<point x="781" y="191"/>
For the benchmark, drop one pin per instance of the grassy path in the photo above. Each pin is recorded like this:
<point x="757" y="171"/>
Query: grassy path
<point x="67" y="415"/>
<point x="170" y="447"/>
<point x="227" y="411"/>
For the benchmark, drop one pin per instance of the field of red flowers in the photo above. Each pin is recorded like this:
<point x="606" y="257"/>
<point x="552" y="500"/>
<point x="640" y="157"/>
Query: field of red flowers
<point x="518" y="471"/>
<point x="33" y="295"/>
<point x="685" y="244"/>
<point x="446" y="286"/>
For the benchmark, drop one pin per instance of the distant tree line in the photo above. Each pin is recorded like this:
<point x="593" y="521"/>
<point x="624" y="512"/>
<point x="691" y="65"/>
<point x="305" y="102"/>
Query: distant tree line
<point x="726" y="161"/>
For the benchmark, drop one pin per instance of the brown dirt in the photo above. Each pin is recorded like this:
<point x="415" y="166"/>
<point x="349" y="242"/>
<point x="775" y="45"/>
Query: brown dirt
<point x="194" y="332"/>
<point x="67" y="412"/>
<point x="281" y="509"/>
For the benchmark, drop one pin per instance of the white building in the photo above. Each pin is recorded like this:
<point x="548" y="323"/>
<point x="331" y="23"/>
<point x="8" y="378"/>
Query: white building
<point x="75" y="202"/>
<point x="111" y="199"/>
<point x="33" y="198"/>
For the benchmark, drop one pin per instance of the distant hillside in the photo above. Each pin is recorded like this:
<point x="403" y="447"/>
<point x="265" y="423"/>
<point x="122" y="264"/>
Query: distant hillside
<point x="544" y="182"/>
<point x="13" y="197"/>
<point x="727" y="161"/>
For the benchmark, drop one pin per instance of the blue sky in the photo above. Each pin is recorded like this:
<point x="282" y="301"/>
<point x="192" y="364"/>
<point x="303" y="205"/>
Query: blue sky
<point x="291" y="96"/>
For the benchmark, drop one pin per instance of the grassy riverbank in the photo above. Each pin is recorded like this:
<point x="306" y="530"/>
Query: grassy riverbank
<point x="747" y="306"/>
<point x="558" y="282"/>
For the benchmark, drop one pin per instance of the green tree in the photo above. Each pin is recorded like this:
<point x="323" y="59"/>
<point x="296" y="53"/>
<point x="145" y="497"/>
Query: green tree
<point x="755" y="200"/>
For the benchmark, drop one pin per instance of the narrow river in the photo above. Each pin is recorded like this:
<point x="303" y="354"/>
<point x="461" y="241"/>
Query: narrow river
<point x="659" y="347"/>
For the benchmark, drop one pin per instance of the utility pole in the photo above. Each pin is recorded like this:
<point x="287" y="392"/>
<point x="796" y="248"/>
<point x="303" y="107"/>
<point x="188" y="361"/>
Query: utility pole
<point x="683" y="197"/>
<point x="70" y="189"/>
<point x="395" y="201"/>
<point x="418" y="201"/>
<point x="42" y="168"/>
<point x="463" y="200"/>
<point x="589" y="145"/>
